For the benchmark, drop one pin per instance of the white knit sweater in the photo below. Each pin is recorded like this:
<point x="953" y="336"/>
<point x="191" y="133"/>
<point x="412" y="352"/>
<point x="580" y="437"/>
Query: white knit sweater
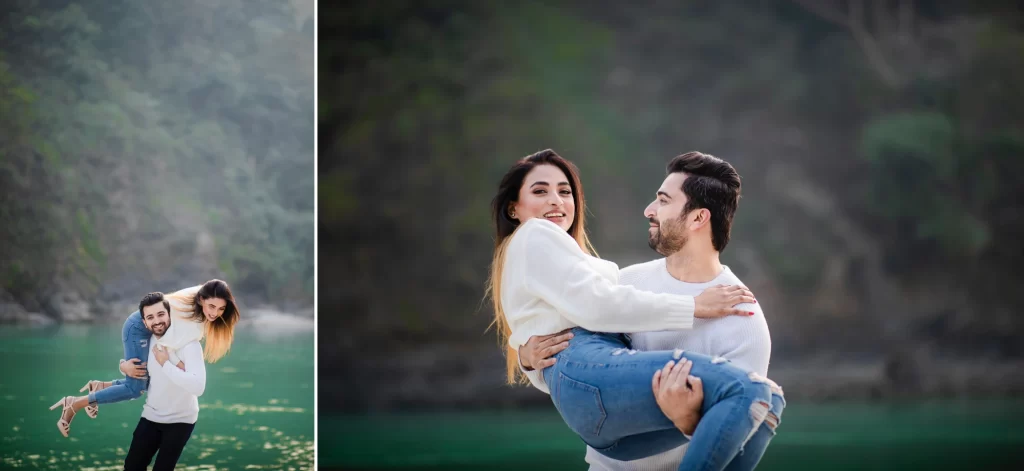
<point x="742" y="340"/>
<point x="549" y="284"/>
<point x="183" y="330"/>
<point x="173" y="394"/>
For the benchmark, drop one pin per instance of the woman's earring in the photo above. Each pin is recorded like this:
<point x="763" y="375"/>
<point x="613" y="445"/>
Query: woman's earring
<point x="512" y="214"/>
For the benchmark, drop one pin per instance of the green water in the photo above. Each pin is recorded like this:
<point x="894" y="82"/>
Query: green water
<point x="965" y="435"/>
<point x="256" y="413"/>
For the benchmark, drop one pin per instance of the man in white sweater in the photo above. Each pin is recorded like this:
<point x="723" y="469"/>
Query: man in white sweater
<point x="690" y="222"/>
<point x="177" y="379"/>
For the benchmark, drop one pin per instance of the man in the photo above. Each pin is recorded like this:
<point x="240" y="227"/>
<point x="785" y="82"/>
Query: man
<point x="690" y="224"/>
<point x="176" y="380"/>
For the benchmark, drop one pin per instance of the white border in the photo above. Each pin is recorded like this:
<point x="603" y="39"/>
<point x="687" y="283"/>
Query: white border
<point x="316" y="235"/>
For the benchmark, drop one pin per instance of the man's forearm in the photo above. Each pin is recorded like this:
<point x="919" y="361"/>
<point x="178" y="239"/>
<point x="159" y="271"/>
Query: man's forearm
<point x="190" y="373"/>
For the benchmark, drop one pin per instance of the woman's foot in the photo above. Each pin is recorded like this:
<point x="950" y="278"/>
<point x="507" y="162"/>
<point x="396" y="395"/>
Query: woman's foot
<point x="67" y="414"/>
<point x="92" y="386"/>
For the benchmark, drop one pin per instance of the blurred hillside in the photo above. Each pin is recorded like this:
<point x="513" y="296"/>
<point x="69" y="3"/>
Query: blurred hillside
<point x="880" y="143"/>
<point x="154" y="145"/>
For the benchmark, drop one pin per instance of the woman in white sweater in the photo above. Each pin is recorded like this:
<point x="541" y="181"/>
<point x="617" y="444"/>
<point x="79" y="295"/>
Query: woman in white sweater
<point x="206" y="311"/>
<point x="545" y="278"/>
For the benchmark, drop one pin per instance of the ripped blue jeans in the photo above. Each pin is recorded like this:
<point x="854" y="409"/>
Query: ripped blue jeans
<point x="602" y="389"/>
<point x="135" y="337"/>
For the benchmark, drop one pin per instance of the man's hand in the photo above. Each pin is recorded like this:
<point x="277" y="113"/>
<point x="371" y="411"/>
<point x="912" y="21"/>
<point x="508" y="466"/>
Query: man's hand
<point x="161" y="354"/>
<point x="718" y="301"/>
<point x="537" y="352"/>
<point x="134" y="368"/>
<point x="679" y="395"/>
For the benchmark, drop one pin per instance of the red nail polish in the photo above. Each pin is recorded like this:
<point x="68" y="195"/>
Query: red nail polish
<point x="751" y="313"/>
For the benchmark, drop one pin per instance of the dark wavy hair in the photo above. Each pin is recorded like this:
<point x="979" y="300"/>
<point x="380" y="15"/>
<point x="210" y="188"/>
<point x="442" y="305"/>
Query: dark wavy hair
<point x="710" y="183"/>
<point x="505" y="226"/>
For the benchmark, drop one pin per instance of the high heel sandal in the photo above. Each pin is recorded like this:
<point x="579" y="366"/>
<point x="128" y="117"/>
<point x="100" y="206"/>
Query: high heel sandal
<point x="92" y="386"/>
<point x="65" y="425"/>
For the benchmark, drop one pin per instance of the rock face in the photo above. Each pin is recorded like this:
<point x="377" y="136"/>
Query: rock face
<point x="13" y="313"/>
<point x="114" y="303"/>
<point x="70" y="307"/>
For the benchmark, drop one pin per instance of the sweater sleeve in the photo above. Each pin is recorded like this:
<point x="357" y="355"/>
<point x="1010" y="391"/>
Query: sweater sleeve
<point x="557" y="271"/>
<point x="193" y="378"/>
<point x="535" y="377"/>
<point x="181" y="332"/>
<point x="183" y="328"/>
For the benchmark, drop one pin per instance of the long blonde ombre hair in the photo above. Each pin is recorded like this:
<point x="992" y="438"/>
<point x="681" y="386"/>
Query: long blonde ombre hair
<point x="505" y="226"/>
<point x="221" y="332"/>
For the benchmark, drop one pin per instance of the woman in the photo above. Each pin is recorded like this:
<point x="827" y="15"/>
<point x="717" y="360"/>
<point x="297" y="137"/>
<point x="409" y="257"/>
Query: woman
<point x="208" y="310"/>
<point x="545" y="279"/>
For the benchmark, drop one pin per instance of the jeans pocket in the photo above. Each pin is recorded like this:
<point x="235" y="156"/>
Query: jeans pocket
<point x="581" y="407"/>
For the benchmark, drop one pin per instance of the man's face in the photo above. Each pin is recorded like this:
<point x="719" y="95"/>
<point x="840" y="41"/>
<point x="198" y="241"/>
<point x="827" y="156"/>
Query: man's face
<point x="156" y="318"/>
<point x="668" y="232"/>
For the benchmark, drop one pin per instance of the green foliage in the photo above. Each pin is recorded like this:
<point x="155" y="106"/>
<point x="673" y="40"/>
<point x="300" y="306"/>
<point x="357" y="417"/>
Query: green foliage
<point x="927" y="173"/>
<point x="132" y="126"/>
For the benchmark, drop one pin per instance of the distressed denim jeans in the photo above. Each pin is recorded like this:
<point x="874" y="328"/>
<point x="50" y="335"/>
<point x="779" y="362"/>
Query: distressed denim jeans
<point x="135" y="337"/>
<point x="602" y="389"/>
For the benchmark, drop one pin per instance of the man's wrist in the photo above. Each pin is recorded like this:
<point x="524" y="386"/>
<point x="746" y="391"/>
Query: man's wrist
<point x="521" y="364"/>
<point x="687" y="423"/>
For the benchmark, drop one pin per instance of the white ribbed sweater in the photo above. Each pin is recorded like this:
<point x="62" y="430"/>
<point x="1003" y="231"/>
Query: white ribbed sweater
<point x="742" y="340"/>
<point x="549" y="284"/>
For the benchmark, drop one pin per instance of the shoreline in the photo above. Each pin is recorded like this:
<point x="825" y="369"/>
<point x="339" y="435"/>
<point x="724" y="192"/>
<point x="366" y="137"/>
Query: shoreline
<point x="13" y="314"/>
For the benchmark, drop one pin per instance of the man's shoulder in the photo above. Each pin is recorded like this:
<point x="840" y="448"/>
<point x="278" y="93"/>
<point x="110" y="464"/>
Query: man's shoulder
<point x="728" y="277"/>
<point x="637" y="272"/>
<point x="193" y="347"/>
<point x="649" y="266"/>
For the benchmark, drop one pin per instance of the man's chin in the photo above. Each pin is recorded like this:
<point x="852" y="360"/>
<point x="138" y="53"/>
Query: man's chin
<point x="657" y="247"/>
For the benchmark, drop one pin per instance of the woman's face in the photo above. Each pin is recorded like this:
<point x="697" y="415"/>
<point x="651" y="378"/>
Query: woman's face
<point x="213" y="308"/>
<point x="546" y="194"/>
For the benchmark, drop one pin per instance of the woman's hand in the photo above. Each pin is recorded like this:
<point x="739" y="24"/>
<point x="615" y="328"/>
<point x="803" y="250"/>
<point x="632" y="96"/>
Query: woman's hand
<point x="718" y="301"/>
<point x="161" y="354"/>
<point x="134" y="368"/>
<point x="536" y="353"/>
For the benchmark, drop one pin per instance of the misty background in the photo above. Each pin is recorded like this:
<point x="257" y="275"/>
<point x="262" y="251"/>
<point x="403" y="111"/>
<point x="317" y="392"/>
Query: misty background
<point x="880" y="145"/>
<point x="151" y="146"/>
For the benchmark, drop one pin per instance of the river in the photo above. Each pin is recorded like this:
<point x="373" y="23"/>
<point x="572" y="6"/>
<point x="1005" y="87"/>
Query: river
<point x="936" y="435"/>
<point x="256" y="413"/>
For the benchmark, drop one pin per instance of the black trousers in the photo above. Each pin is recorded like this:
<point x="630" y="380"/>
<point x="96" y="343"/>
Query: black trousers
<point x="151" y="437"/>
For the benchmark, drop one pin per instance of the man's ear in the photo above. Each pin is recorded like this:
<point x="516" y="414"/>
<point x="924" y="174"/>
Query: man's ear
<point x="701" y="217"/>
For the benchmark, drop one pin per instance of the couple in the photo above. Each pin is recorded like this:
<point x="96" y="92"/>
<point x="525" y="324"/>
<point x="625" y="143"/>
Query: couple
<point x="635" y="409"/>
<point x="165" y="330"/>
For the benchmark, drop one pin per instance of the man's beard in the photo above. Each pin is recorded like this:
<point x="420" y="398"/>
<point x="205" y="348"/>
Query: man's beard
<point x="667" y="238"/>
<point x="165" y="326"/>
